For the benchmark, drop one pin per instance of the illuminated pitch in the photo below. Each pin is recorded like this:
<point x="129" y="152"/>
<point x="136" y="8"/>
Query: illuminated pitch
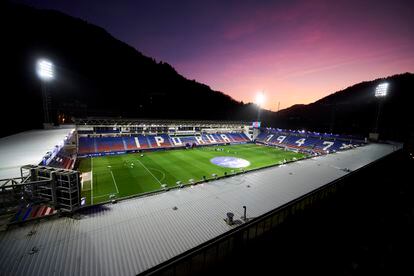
<point x="120" y="176"/>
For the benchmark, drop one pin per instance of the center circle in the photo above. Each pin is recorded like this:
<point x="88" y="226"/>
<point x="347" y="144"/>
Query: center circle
<point x="230" y="162"/>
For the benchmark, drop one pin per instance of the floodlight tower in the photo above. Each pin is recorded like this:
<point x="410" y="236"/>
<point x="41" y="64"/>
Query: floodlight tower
<point x="380" y="93"/>
<point x="45" y="71"/>
<point x="260" y="98"/>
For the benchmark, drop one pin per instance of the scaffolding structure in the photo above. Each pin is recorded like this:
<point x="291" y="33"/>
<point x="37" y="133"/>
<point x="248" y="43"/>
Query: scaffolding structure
<point x="55" y="187"/>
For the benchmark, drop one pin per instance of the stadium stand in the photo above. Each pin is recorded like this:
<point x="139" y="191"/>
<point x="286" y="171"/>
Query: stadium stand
<point x="305" y="141"/>
<point x="63" y="159"/>
<point x="98" y="145"/>
<point x="100" y="136"/>
<point x="311" y="142"/>
<point x="30" y="212"/>
<point x="63" y="155"/>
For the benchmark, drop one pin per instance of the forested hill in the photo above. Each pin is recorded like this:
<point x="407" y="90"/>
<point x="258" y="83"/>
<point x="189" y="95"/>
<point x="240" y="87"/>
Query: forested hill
<point x="96" y="74"/>
<point x="355" y="109"/>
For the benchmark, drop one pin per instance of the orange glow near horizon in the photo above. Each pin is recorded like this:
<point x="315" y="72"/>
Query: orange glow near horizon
<point x="305" y="52"/>
<point x="295" y="78"/>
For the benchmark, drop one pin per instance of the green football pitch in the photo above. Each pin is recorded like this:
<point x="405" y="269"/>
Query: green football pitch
<point x="133" y="174"/>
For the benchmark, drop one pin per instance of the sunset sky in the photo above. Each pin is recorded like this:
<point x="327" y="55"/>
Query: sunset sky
<point x="294" y="51"/>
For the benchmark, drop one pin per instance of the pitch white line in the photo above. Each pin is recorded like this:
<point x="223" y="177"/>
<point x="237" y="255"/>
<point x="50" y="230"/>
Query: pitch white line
<point x="149" y="172"/>
<point x="103" y="195"/>
<point x="91" y="180"/>
<point x="113" y="178"/>
<point x="163" y="174"/>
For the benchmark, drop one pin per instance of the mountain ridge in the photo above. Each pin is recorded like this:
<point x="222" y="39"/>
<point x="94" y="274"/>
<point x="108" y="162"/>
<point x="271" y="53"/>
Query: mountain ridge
<point x="355" y="109"/>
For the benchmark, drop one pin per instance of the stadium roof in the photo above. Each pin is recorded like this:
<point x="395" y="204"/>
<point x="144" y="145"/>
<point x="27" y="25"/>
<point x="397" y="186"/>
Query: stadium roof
<point x="136" y="234"/>
<point x="26" y="148"/>
<point x="143" y="121"/>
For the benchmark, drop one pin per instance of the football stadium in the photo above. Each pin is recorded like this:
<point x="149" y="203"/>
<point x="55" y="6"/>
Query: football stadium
<point x="206" y="138"/>
<point x="213" y="180"/>
<point x="169" y="160"/>
<point x="164" y="155"/>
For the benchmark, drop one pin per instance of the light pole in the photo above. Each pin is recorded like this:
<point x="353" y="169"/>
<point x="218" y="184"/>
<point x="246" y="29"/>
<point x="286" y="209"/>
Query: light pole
<point x="380" y="93"/>
<point x="45" y="71"/>
<point x="260" y="98"/>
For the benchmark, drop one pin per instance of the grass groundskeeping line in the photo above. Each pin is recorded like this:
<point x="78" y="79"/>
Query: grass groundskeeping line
<point x="133" y="174"/>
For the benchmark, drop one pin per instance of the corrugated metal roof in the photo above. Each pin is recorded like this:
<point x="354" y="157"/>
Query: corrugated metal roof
<point x="133" y="235"/>
<point x="26" y="148"/>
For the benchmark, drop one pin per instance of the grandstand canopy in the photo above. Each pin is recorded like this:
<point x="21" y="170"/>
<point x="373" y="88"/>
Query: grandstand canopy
<point x="26" y="148"/>
<point x="102" y="121"/>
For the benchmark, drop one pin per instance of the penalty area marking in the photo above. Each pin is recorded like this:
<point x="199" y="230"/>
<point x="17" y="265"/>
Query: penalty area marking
<point x="163" y="174"/>
<point x="116" y="186"/>
<point x="103" y="195"/>
<point x="149" y="172"/>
